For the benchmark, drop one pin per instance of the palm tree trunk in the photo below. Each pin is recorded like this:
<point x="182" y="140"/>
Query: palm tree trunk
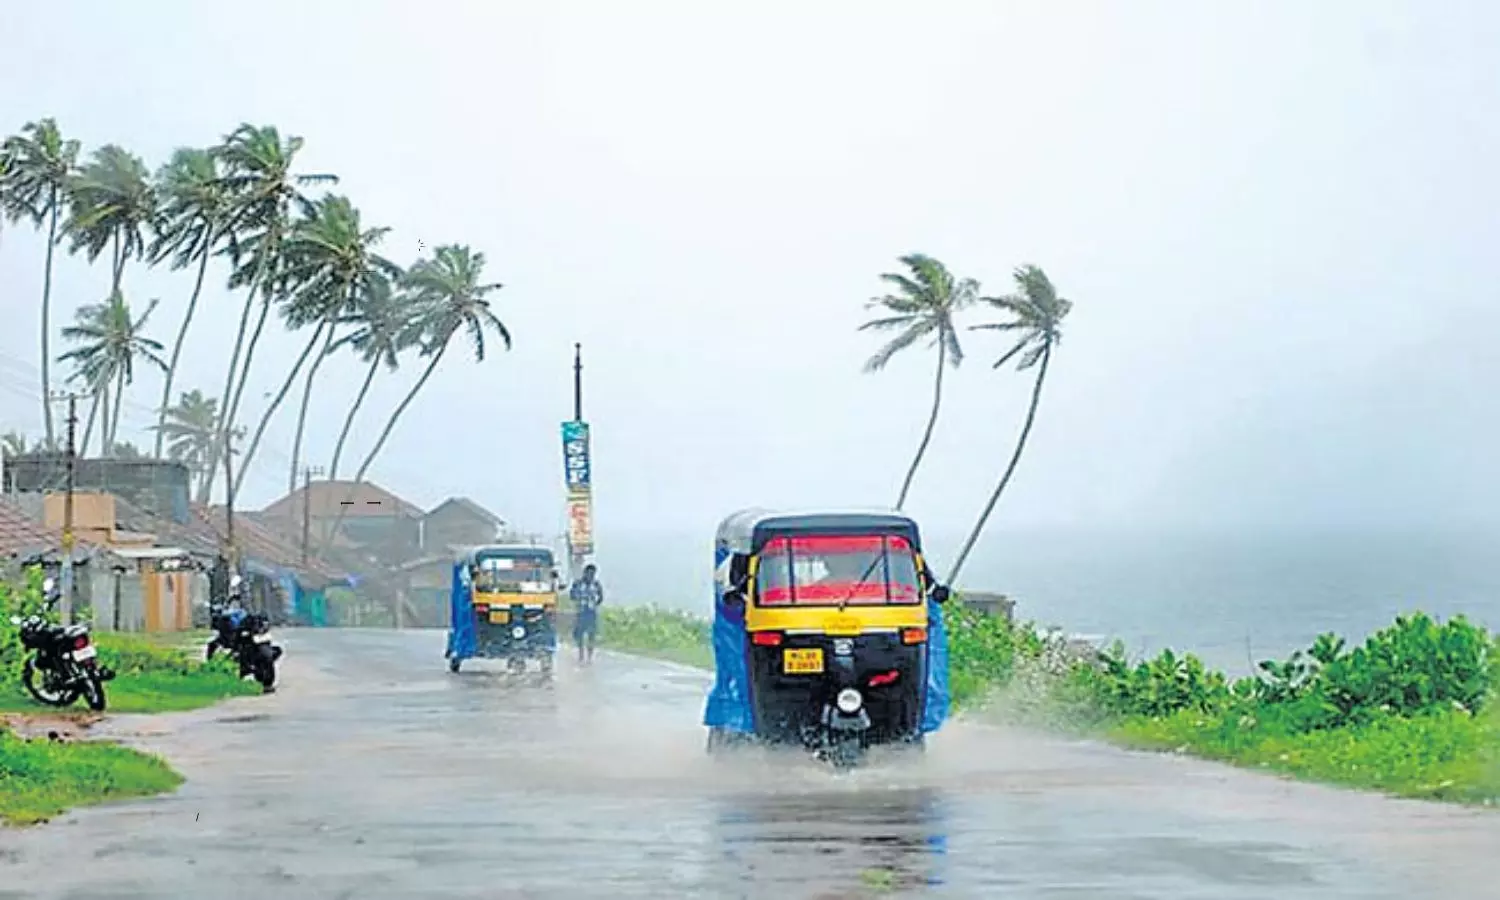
<point x="265" y="419"/>
<point x="47" y="324"/>
<point x="385" y="433"/>
<point x="118" y="272"/>
<point x="312" y="372"/>
<point x="244" y="379"/>
<point x="1036" y="396"/>
<point x="182" y="330"/>
<point x="338" y="449"/>
<point x="229" y="402"/>
<point x="114" y="420"/>
<point x="88" y="430"/>
<point x="103" y="389"/>
<point x="937" y="402"/>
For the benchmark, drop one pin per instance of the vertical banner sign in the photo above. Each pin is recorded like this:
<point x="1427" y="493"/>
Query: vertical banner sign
<point x="579" y="476"/>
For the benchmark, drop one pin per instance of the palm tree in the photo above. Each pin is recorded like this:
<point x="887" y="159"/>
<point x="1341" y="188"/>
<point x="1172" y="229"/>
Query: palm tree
<point x="329" y="259"/>
<point x="189" y="430"/>
<point x="1036" y="315"/>
<point x="195" y="211"/>
<point x="40" y="163"/>
<point x="923" y="307"/>
<point x="13" y="443"/>
<point x="110" y="341"/>
<point x="449" y="297"/>
<point x="111" y="203"/>
<point x="258" y="171"/>
<point x="383" y="328"/>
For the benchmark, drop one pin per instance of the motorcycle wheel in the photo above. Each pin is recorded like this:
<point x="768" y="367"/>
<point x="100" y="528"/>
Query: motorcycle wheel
<point x="36" y="685"/>
<point x="208" y="652"/>
<point x="93" y="690"/>
<point x="265" y="670"/>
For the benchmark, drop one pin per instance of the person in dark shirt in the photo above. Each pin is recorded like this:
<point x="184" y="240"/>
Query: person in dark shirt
<point x="587" y="595"/>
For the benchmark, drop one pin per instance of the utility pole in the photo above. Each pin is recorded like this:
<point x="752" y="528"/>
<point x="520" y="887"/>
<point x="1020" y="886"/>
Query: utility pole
<point x="307" y="473"/>
<point x="65" y="579"/>
<point x="578" y="382"/>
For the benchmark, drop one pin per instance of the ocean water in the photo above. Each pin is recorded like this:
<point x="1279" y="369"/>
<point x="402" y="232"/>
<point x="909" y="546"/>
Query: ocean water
<point x="1232" y="599"/>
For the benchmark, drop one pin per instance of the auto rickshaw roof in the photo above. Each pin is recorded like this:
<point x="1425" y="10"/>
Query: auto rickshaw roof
<point x="745" y="531"/>
<point x="508" y="550"/>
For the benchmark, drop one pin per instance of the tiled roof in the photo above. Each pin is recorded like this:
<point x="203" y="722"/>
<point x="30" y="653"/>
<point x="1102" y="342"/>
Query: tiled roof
<point x="258" y="542"/>
<point x="474" y="509"/>
<point x="358" y="498"/>
<point x="194" y="536"/>
<point x="21" y="535"/>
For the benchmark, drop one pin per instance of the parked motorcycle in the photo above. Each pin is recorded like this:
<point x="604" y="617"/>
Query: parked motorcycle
<point x="246" y="637"/>
<point x="64" y="663"/>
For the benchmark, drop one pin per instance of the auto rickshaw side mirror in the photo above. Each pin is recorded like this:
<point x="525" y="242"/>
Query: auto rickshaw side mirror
<point x="941" y="593"/>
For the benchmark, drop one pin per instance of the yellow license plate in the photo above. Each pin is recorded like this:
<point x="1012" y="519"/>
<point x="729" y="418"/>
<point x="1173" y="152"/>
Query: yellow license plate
<point x="499" y="616"/>
<point x="843" y="625"/>
<point x="802" y="661"/>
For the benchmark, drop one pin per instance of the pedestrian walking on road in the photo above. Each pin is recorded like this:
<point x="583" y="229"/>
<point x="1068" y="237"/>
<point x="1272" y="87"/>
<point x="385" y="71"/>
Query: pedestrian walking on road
<point x="587" y="595"/>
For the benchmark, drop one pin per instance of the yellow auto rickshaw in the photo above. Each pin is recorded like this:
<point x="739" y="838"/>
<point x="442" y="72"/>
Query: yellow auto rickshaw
<point x="827" y="634"/>
<point x="504" y="606"/>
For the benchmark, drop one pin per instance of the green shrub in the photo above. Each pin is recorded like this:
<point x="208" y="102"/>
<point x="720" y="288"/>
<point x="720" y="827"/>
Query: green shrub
<point x="40" y="778"/>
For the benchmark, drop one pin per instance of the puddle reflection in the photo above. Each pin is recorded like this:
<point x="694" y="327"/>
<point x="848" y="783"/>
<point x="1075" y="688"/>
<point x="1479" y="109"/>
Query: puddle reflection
<point x="883" y="838"/>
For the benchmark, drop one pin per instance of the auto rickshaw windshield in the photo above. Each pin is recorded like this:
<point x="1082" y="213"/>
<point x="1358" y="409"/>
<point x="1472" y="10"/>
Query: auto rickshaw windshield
<point x="828" y="570"/>
<point x="512" y="574"/>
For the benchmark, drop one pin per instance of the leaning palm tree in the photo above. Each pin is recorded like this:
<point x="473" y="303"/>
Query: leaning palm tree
<point x="40" y="163"/>
<point x="923" y="307"/>
<point x="195" y="210"/>
<point x="110" y="342"/>
<point x="330" y="259"/>
<point x="450" y="296"/>
<point x="1036" y="316"/>
<point x="258" y="171"/>
<point x="111" y="204"/>
<point x="189" y="430"/>
<point x="384" y="327"/>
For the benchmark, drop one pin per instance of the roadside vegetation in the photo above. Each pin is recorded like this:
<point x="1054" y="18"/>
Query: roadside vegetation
<point x="40" y="777"/>
<point x="1413" y="711"/>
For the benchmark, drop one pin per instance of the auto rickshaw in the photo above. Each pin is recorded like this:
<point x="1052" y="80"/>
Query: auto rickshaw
<point x="504" y="606"/>
<point x="828" y="634"/>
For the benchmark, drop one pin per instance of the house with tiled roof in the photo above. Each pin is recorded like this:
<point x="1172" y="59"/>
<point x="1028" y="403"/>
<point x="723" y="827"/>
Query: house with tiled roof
<point x="365" y="515"/>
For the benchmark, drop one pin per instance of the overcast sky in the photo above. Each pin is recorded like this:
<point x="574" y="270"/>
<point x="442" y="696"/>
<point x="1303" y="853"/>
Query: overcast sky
<point x="1276" y="221"/>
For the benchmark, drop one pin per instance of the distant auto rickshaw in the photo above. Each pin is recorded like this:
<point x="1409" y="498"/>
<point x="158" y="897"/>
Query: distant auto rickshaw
<point x="504" y="606"/>
<point x="827" y="634"/>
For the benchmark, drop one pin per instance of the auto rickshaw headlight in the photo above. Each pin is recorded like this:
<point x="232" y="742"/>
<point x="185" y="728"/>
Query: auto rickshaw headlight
<point x="849" y="700"/>
<point x="518" y="632"/>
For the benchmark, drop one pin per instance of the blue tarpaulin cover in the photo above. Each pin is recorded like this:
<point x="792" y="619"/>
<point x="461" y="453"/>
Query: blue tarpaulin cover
<point x="728" y="703"/>
<point x="463" y="635"/>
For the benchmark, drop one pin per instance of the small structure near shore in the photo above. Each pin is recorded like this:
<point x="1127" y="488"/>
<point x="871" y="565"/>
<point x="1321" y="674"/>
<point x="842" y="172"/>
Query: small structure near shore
<point x="990" y="604"/>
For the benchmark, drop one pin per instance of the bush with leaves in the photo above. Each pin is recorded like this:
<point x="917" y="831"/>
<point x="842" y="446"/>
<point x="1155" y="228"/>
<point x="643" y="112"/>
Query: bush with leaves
<point x="17" y="598"/>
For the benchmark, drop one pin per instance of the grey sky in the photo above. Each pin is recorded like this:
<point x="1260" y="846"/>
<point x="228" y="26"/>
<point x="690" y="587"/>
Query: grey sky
<point x="1276" y="220"/>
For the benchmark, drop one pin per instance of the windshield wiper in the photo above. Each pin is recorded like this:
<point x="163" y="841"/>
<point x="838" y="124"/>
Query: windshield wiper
<point x="863" y="578"/>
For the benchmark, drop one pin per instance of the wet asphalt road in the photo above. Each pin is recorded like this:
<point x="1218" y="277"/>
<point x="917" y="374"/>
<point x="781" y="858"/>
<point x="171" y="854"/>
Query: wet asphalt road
<point x="375" y="773"/>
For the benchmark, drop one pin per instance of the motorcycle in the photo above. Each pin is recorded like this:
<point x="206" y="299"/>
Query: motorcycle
<point x="64" y="664"/>
<point x="246" y="637"/>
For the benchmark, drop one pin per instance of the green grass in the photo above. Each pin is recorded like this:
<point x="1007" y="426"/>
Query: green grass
<point x="1391" y="715"/>
<point x="40" y="778"/>
<point x="155" y="674"/>
<point x="658" y="633"/>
